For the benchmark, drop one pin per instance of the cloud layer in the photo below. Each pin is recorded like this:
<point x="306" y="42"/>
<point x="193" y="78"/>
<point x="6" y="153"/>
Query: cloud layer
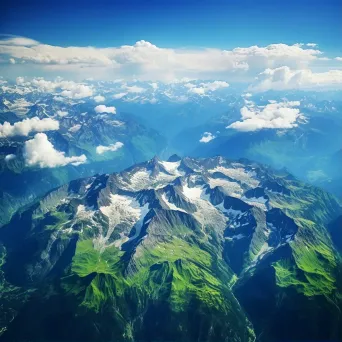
<point x="275" y="115"/>
<point x="147" y="61"/>
<point x="40" y="152"/>
<point x="27" y="126"/>
<point x="68" y="89"/>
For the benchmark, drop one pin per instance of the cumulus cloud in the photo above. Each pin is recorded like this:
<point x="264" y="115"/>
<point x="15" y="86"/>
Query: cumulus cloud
<point x="40" y="152"/>
<point x="25" y="127"/>
<point x="133" y="89"/>
<point x="113" y="147"/>
<point x="284" y="78"/>
<point x="10" y="157"/>
<point x="213" y="86"/>
<point x="58" y="98"/>
<point x="196" y="90"/>
<point x="99" y="98"/>
<point x="78" y="92"/>
<point x="65" y="88"/>
<point x="105" y="109"/>
<point x="119" y="96"/>
<point x="206" y="87"/>
<point x="21" y="81"/>
<point x="207" y="136"/>
<point x="75" y="128"/>
<point x="62" y="113"/>
<point x="275" y="115"/>
<point x="18" y="41"/>
<point x="151" y="62"/>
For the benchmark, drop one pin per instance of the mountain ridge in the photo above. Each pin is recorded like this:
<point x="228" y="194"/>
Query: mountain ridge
<point x="182" y="237"/>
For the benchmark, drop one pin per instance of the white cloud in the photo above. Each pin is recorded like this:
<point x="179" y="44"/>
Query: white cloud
<point x="105" y="109"/>
<point x="12" y="61"/>
<point x="75" y="128"/>
<point x="99" y="98"/>
<point x="189" y="85"/>
<point x="19" y="41"/>
<point x="80" y="91"/>
<point x="213" y="86"/>
<point x="153" y="100"/>
<point x="58" y="98"/>
<point x="207" y="136"/>
<point x="274" y="115"/>
<point x="154" y="85"/>
<point x="146" y="61"/>
<point x="113" y="147"/>
<point x="119" y="96"/>
<point x="40" y="152"/>
<point x="338" y="59"/>
<point x="133" y="89"/>
<point x="284" y="78"/>
<point x="21" y="81"/>
<point x="205" y="87"/>
<point x="68" y="89"/>
<point x="25" y="127"/>
<point x="10" y="157"/>
<point x="311" y="44"/>
<point x="62" y="113"/>
<point x="198" y="91"/>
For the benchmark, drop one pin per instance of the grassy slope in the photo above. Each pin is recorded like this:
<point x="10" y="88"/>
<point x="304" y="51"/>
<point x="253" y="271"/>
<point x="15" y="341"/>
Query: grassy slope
<point x="175" y="273"/>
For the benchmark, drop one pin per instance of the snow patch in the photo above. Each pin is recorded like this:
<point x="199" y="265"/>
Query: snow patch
<point x="140" y="180"/>
<point x="171" y="167"/>
<point x="239" y="173"/>
<point x="170" y="205"/>
<point x="231" y="188"/>
<point x="124" y="211"/>
<point x="192" y="193"/>
<point x="206" y="213"/>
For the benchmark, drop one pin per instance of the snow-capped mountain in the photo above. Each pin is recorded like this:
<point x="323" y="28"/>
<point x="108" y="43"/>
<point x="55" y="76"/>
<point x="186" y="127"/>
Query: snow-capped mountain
<point x="306" y="149"/>
<point x="109" y="142"/>
<point x="189" y="238"/>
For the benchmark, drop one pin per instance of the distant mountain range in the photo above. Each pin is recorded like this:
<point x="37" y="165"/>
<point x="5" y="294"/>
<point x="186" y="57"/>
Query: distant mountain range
<point x="162" y="119"/>
<point x="80" y="132"/>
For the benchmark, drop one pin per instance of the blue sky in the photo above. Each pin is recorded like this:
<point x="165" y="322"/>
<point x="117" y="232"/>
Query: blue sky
<point x="179" y="23"/>
<point x="284" y="44"/>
